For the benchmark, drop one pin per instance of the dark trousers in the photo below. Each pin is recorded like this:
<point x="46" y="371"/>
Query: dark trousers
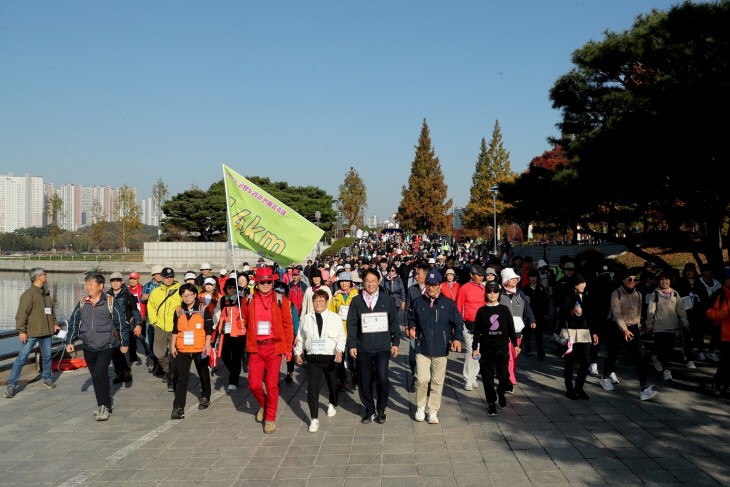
<point x="581" y="355"/>
<point x="495" y="358"/>
<point x="365" y="363"/>
<point x="527" y="334"/>
<point x="614" y="342"/>
<point x="184" y="360"/>
<point x="290" y="365"/>
<point x="697" y="335"/>
<point x="120" y="362"/>
<point x="98" y="363"/>
<point x="604" y="327"/>
<point x="722" y="376"/>
<point x="664" y="346"/>
<point x="231" y="354"/>
<point x="321" y="367"/>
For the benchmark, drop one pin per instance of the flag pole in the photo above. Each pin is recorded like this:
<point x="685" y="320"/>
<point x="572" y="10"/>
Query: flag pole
<point x="229" y="227"/>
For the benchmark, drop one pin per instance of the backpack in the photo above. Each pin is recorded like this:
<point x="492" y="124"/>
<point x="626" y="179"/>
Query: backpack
<point x="109" y="303"/>
<point x="296" y="296"/>
<point x="278" y="299"/>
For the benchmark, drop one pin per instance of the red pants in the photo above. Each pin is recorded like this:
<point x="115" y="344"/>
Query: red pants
<point x="513" y="361"/>
<point x="265" y="360"/>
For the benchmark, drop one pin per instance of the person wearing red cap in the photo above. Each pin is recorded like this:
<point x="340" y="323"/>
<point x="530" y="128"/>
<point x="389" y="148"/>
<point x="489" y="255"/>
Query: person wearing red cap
<point x="270" y="335"/>
<point x="136" y="289"/>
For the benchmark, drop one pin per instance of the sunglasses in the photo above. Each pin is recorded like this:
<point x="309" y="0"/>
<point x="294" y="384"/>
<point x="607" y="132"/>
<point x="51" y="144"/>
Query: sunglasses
<point x="230" y="287"/>
<point x="266" y="282"/>
<point x="631" y="279"/>
<point x="492" y="291"/>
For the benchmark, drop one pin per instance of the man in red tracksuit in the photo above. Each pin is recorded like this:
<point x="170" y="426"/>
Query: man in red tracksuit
<point x="270" y="335"/>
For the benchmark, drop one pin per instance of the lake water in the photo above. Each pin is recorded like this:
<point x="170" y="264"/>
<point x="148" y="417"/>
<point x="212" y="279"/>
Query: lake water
<point x="66" y="290"/>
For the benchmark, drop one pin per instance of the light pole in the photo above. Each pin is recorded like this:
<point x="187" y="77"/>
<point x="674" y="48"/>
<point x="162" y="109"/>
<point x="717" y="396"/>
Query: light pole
<point x="318" y="215"/>
<point x="494" y="191"/>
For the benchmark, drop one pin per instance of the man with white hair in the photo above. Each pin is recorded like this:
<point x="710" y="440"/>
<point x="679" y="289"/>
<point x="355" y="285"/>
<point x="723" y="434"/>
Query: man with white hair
<point x="513" y="297"/>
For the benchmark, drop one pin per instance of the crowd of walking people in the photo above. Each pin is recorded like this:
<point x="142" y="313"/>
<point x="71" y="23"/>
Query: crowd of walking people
<point x="343" y="319"/>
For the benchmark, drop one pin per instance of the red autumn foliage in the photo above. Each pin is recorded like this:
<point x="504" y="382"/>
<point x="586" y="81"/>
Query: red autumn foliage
<point x="551" y="160"/>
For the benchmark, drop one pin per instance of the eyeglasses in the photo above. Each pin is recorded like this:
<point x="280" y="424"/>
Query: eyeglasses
<point x="230" y="287"/>
<point x="631" y="279"/>
<point x="188" y="295"/>
<point x="266" y="282"/>
<point x="492" y="291"/>
<point x="391" y="270"/>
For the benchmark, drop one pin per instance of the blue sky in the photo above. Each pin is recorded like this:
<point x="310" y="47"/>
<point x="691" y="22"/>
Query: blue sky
<point x="102" y="92"/>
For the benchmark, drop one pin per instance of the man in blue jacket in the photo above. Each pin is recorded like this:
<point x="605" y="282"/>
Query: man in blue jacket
<point x="433" y="317"/>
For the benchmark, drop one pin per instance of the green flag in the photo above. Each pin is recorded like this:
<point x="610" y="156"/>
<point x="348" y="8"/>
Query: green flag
<point x="263" y="224"/>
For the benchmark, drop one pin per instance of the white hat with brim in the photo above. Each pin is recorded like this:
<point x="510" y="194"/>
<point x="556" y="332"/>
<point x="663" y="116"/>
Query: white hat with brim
<point x="509" y="273"/>
<point x="541" y="263"/>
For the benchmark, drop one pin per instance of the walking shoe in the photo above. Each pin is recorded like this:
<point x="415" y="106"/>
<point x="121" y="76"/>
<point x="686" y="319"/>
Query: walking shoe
<point x="614" y="379"/>
<point x="581" y="394"/>
<point x="232" y="387"/>
<point x="314" y="426"/>
<point x="468" y="387"/>
<point x="269" y="427"/>
<point x="648" y="393"/>
<point x="343" y="386"/>
<point x="716" y="391"/>
<point x="433" y="418"/>
<point x="119" y="378"/>
<point x="657" y="363"/>
<point x="690" y="365"/>
<point x="353" y="377"/>
<point x="103" y="414"/>
<point x="667" y="375"/>
<point x="331" y="410"/>
<point x="204" y="403"/>
<point x="151" y="367"/>
<point x="127" y="376"/>
<point x="10" y="391"/>
<point x="420" y="414"/>
<point x="701" y="356"/>
<point x="492" y="409"/>
<point x="260" y="415"/>
<point x="49" y="384"/>
<point x="502" y="401"/>
<point x="593" y="370"/>
<point x="511" y="389"/>
<point x="571" y="395"/>
<point x="177" y="413"/>
<point x="606" y="384"/>
<point x="110" y="409"/>
<point x="135" y="359"/>
<point x="289" y="378"/>
<point x="170" y="387"/>
<point x="381" y="417"/>
<point x="474" y="384"/>
<point x="713" y="356"/>
<point x="368" y="418"/>
<point x="165" y="376"/>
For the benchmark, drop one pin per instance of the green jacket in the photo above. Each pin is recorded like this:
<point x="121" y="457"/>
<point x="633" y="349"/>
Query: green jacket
<point x="31" y="317"/>
<point x="161" y="308"/>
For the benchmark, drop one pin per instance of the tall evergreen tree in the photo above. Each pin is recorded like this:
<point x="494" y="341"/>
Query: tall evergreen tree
<point x="492" y="166"/>
<point x="424" y="207"/>
<point x="353" y="198"/>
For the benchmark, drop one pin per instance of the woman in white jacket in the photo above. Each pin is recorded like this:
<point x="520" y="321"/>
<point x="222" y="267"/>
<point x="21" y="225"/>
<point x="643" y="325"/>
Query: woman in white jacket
<point x="322" y="335"/>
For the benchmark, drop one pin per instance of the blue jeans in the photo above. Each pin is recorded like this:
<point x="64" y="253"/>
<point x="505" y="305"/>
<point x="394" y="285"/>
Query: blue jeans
<point x="45" y="346"/>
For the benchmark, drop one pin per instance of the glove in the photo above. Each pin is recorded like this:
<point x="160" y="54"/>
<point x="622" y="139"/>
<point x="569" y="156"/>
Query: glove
<point x="287" y="356"/>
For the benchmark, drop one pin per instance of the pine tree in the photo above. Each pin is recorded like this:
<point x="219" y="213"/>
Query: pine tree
<point x="492" y="167"/>
<point x="423" y="207"/>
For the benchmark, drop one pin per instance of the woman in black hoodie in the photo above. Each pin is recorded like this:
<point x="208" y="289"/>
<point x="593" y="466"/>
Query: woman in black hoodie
<point x="576" y="316"/>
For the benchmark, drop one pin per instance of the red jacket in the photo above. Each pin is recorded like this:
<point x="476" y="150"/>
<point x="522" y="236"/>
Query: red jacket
<point x="283" y="326"/>
<point x="470" y="299"/>
<point x="720" y="313"/>
<point x="450" y="293"/>
<point x="137" y="291"/>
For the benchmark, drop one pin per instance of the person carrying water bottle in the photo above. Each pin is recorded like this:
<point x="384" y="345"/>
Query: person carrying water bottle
<point x="494" y="330"/>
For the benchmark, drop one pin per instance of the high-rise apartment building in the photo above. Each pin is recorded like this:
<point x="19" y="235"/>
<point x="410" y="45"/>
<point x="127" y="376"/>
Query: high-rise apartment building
<point x="21" y="202"/>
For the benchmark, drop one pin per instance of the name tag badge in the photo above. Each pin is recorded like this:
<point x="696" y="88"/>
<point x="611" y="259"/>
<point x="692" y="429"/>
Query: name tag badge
<point x="48" y="311"/>
<point x="318" y="346"/>
<point x="189" y="338"/>
<point x="687" y="302"/>
<point x="61" y="334"/>
<point x="227" y="328"/>
<point x="343" y="312"/>
<point x="264" y="328"/>
<point x="374" y="322"/>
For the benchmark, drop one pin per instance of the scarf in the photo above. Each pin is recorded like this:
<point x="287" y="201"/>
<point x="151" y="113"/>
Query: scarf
<point x="480" y="285"/>
<point x="510" y="290"/>
<point x="369" y="299"/>
<point x="434" y="299"/>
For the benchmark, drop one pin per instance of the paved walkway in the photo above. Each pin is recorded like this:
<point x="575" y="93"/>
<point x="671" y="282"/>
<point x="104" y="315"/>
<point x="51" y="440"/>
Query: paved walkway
<point x="541" y="438"/>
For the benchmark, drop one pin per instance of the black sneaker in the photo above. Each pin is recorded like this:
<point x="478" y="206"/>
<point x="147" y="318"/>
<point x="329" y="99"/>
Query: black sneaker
<point x="492" y="409"/>
<point x="177" y="413"/>
<point x="127" y="376"/>
<point x="170" y="387"/>
<point x="511" y="389"/>
<point x="165" y="377"/>
<point x="582" y="394"/>
<point x="289" y="379"/>
<point x="119" y="378"/>
<point x="204" y="403"/>
<point x="368" y="418"/>
<point x="571" y="395"/>
<point x="502" y="402"/>
<point x="10" y="392"/>
<point x="381" y="417"/>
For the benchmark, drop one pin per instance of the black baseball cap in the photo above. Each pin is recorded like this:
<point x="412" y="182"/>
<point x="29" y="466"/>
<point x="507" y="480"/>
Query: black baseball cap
<point x="168" y="272"/>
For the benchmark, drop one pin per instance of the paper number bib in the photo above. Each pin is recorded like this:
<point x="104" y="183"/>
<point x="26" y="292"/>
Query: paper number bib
<point x="343" y="312"/>
<point x="318" y="346"/>
<point x="263" y="328"/>
<point x="189" y="338"/>
<point x="374" y="322"/>
<point x="227" y="328"/>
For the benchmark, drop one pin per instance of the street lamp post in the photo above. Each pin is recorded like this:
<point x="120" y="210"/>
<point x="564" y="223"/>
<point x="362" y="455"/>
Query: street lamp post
<point x="494" y="191"/>
<point x="318" y="215"/>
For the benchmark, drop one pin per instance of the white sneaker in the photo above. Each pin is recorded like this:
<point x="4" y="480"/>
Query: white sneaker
<point x="232" y="388"/>
<point x="314" y="426"/>
<point x="713" y="356"/>
<point x="475" y="385"/>
<point x="666" y="375"/>
<point x="614" y="379"/>
<point x="593" y="369"/>
<point x="606" y="384"/>
<point x="690" y="365"/>
<point x="657" y="363"/>
<point x="701" y="356"/>
<point x="331" y="410"/>
<point x="420" y="414"/>
<point x="433" y="418"/>
<point x="468" y="387"/>
<point x="648" y="393"/>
